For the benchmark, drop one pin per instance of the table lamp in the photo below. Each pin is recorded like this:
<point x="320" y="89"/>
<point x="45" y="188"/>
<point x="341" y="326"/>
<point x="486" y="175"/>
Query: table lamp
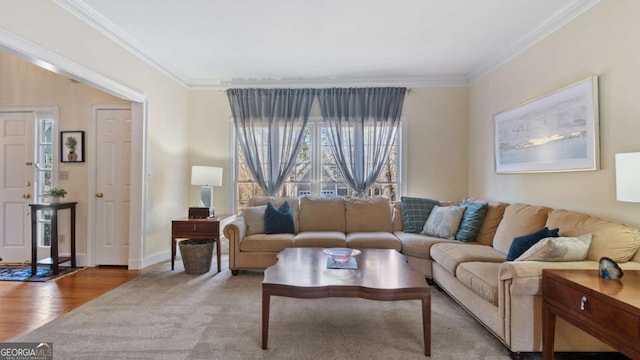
<point x="628" y="177"/>
<point x="207" y="177"/>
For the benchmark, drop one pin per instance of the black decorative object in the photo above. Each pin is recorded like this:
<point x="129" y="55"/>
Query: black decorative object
<point x="609" y="269"/>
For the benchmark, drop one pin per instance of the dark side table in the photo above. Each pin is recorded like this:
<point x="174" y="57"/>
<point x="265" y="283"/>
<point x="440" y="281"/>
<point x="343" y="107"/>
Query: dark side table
<point x="206" y="229"/>
<point x="55" y="258"/>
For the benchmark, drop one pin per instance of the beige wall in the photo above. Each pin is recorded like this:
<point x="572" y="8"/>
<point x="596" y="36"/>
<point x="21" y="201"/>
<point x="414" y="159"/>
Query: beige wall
<point x="603" y="42"/>
<point x="435" y="135"/>
<point x="210" y="144"/>
<point x="46" y="24"/>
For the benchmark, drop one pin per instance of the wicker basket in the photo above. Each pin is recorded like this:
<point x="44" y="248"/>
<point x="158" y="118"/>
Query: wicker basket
<point x="196" y="255"/>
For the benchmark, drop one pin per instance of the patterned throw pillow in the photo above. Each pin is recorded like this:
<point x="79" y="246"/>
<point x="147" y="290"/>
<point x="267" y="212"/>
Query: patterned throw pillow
<point x="471" y="220"/>
<point x="443" y="222"/>
<point x="278" y="220"/>
<point x="415" y="212"/>
<point x="522" y="243"/>
<point x="559" y="249"/>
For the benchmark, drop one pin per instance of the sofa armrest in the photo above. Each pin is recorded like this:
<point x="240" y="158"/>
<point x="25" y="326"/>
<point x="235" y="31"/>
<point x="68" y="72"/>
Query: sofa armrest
<point x="235" y="231"/>
<point x="526" y="276"/>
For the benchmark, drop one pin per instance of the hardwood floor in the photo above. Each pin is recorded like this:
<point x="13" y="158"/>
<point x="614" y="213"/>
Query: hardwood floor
<point x="28" y="305"/>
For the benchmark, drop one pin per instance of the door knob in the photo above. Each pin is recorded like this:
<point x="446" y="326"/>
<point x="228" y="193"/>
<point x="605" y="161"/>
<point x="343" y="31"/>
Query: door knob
<point x="26" y="196"/>
<point x="99" y="195"/>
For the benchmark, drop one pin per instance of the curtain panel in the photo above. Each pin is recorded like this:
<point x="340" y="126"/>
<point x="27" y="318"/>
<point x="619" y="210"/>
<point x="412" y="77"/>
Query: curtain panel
<point x="362" y="124"/>
<point x="270" y="124"/>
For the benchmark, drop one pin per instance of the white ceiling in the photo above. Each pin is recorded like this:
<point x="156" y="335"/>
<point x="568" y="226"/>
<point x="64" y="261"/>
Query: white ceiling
<point x="225" y="43"/>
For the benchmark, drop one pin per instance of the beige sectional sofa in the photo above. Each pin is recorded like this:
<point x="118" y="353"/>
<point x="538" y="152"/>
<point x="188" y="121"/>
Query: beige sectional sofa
<point x="503" y="295"/>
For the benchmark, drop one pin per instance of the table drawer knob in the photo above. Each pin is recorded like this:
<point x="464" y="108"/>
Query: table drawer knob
<point x="195" y="227"/>
<point x="583" y="301"/>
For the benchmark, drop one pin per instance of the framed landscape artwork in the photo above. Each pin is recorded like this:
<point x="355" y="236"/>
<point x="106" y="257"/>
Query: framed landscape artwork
<point x="554" y="132"/>
<point x="72" y="146"/>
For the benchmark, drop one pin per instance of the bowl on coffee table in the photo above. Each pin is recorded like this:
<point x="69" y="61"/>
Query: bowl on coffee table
<point x="341" y="255"/>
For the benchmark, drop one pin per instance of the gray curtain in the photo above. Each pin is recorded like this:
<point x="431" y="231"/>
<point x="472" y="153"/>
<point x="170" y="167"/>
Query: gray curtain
<point x="270" y="124"/>
<point x="362" y="124"/>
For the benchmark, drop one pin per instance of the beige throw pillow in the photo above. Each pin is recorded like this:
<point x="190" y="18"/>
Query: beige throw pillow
<point x="254" y="219"/>
<point x="558" y="249"/>
<point x="443" y="222"/>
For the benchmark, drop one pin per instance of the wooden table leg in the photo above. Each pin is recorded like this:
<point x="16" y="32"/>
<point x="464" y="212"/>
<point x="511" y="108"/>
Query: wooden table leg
<point x="426" y="324"/>
<point x="266" y="302"/>
<point x="34" y="242"/>
<point x="54" y="243"/>
<point x="73" y="237"/>
<point x="548" y="332"/>
<point x="218" y="252"/>
<point x="173" y="252"/>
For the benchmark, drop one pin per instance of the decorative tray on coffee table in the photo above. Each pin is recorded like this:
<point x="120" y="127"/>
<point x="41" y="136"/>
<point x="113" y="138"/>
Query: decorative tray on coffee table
<point x="341" y="258"/>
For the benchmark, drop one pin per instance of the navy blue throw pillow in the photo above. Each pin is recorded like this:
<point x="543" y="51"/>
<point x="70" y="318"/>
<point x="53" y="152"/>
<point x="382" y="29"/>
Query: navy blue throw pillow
<point x="522" y="243"/>
<point x="278" y="221"/>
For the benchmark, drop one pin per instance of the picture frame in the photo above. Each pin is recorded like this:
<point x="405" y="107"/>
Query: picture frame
<point x="72" y="146"/>
<point x="555" y="132"/>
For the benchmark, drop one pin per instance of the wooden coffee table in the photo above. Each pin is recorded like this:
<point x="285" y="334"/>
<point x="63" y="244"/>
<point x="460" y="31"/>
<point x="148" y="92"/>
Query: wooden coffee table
<point x="302" y="273"/>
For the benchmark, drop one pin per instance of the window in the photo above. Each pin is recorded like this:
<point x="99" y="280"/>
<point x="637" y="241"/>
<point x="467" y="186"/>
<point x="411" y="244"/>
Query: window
<point x="316" y="173"/>
<point x="44" y="174"/>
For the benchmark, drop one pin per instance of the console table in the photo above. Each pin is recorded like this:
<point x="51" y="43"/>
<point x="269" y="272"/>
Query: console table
<point x="609" y="310"/>
<point x="55" y="258"/>
<point x="206" y="229"/>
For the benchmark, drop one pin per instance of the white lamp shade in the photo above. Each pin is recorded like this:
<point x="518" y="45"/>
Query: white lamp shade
<point x="206" y="175"/>
<point x="628" y="177"/>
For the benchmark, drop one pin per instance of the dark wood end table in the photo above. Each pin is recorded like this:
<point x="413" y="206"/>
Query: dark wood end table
<point x="302" y="273"/>
<point x="205" y="229"/>
<point x="55" y="260"/>
<point x="609" y="310"/>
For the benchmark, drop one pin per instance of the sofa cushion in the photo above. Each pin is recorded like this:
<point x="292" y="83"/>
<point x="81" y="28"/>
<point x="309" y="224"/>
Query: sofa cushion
<point x="450" y="255"/>
<point x="373" y="240"/>
<point x="415" y="212"/>
<point x="418" y="245"/>
<point x="322" y="214"/>
<point x="471" y="219"/>
<point x="443" y="222"/>
<point x="487" y="231"/>
<point x="522" y="243"/>
<point x="481" y="278"/>
<point x="616" y="241"/>
<point x="294" y="204"/>
<point x="519" y="219"/>
<point x="278" y="220"/>
<point x="254" y="219"/>
<point x="559" y="249"/>
<point x="368" y="215"/>
<point x="266" y="242"/>
<point x="320" y="239"/>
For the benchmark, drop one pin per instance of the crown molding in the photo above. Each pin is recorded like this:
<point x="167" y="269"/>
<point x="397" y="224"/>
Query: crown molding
<point x="323" y="82"/>
<point x="87" y="14"/>
<point x="58" y="64"/>
<point x="542" y="30"/>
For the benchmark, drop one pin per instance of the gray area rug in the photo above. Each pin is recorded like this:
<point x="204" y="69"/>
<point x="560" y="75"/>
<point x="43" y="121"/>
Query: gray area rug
<point x="168" y="314"/>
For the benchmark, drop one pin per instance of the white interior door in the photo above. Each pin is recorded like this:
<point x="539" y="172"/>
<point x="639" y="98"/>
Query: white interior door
<point x="16" y="184"/>
<point x="113" y="159"/>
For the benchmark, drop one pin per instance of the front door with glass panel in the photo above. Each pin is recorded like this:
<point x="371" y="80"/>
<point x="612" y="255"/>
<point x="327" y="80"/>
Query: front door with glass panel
<point x="26" y="170"/>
